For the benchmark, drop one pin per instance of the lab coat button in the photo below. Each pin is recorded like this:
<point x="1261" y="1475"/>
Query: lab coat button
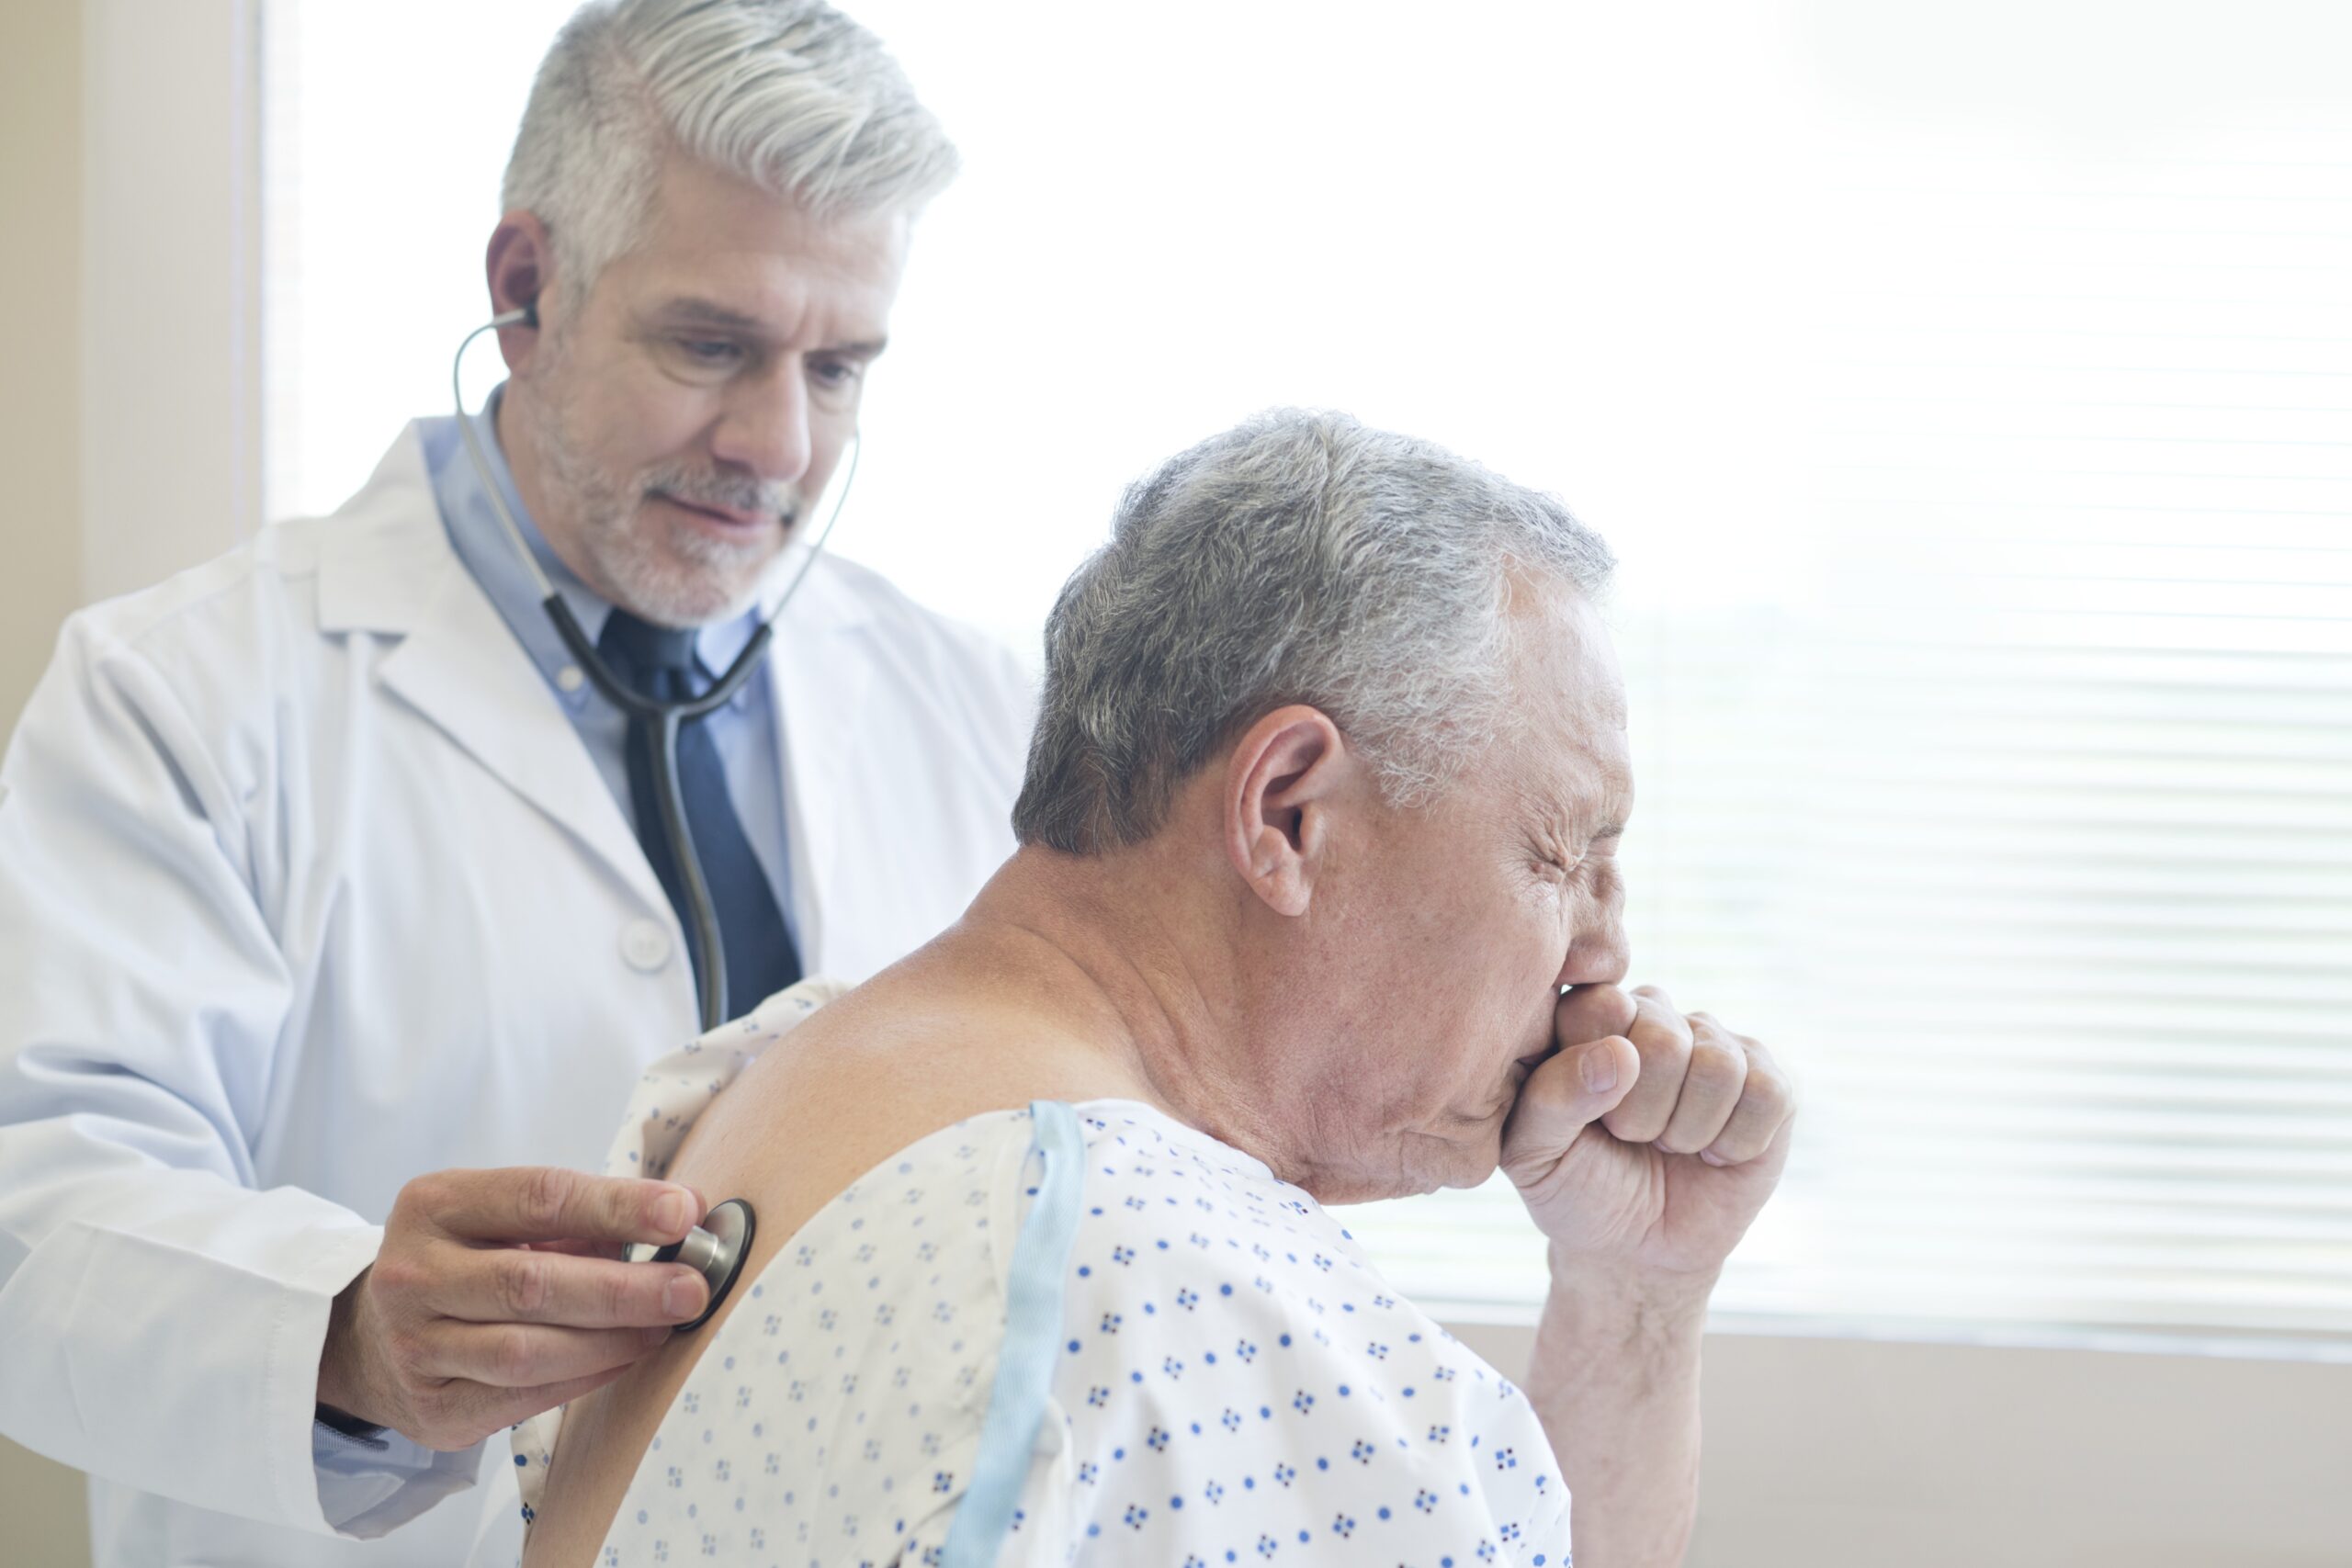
<point x="645" y="944"/>
<point x="569" y="679"/>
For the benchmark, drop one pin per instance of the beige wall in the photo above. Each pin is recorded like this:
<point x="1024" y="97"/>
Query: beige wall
<point x="41" y="1501"/>
<point x="40" y="391"/>
<point x="1838" y="1452"/>
<point x="40" y="394"/>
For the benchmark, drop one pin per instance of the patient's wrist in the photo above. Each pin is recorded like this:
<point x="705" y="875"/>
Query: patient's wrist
<point x="1654" y="1302"/>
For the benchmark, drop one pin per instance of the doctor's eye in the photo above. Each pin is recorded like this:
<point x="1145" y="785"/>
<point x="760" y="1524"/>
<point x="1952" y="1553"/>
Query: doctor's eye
<point x="836" y="375"/>
<point x="716" y="353"/>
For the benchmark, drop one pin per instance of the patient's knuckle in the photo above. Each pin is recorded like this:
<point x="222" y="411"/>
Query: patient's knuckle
<point x="1770" y="1088"/>
<point x="1716" y="1064"/>
<point x="1633" y="1124"/>
<point x="1661" y="1038"/>
<point x="1678" y="1138"/>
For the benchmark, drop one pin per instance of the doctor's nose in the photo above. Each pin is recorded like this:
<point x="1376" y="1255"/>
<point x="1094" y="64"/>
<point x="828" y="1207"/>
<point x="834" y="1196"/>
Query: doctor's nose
<point x="766" y="428"/>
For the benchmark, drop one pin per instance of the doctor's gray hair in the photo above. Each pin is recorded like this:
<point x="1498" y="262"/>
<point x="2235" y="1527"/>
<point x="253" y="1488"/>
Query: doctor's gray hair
<point x="789" y="95"/>
<point x="1299" y="558"/>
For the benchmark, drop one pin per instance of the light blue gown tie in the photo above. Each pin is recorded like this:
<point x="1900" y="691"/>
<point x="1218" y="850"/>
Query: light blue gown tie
<point x="1032" y="1337"/>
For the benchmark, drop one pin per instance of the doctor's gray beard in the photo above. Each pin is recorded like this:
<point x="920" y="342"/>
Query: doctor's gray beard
<point x="669" y="573"/>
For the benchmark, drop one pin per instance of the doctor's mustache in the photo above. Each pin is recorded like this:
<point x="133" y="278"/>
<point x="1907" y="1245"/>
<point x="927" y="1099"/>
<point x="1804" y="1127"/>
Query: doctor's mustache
<point x="735" y="491"/>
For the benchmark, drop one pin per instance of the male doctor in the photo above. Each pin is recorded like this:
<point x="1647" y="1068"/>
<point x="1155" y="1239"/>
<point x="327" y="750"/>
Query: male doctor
<point x="326" y="874"/>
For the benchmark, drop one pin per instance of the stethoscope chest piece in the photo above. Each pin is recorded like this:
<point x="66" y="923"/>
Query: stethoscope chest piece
<point x="715" y="1249"/>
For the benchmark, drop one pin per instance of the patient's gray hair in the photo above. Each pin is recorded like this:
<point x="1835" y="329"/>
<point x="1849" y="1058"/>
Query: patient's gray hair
<point x="1299" y="558"/>
<point x="789" y="95"/>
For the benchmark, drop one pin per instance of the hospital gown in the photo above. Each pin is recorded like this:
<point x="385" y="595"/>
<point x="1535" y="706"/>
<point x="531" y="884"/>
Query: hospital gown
<point x="1234" y="1381"/>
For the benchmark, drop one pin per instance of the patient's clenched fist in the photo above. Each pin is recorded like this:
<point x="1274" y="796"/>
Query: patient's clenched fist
<point x="501" y="1293"/>
<point x="1651" y="1140"/>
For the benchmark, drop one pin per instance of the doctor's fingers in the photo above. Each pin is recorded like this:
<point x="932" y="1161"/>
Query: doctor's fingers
<point x="521" y="1356"/>
<point x="457" y="1414"/>
<point x="578" y="1248"/>
<point x="512" y="1285"/>
<point x="540" y="1202"/>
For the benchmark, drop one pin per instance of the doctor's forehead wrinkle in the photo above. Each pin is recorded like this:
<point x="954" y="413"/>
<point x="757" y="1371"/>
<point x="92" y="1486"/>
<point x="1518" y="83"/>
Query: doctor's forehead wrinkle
<point x="689" y="310"/>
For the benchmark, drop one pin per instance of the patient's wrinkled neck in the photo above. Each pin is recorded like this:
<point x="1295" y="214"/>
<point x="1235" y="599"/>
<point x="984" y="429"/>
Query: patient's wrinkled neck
<point x="1123" y="954"/>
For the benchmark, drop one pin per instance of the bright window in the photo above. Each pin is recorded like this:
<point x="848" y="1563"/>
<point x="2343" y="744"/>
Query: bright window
<point x="1970" y="401"/>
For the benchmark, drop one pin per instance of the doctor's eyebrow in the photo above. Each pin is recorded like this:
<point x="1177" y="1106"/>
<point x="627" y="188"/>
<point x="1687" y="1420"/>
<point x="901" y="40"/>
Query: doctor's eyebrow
<point x="691" y="311"/>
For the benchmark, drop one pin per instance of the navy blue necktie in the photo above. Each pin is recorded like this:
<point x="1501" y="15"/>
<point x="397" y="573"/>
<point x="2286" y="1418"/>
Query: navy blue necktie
<point x="659" y="662"/>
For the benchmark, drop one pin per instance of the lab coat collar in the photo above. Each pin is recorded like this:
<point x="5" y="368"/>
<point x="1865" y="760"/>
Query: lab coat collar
<point x="820" y="669"/>
<point x="382" y="556"/>
<point x="386" y="566"/>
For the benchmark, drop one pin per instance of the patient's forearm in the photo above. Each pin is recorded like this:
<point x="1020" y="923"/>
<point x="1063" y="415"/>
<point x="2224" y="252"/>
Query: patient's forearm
<point x="1616" y="1380"/>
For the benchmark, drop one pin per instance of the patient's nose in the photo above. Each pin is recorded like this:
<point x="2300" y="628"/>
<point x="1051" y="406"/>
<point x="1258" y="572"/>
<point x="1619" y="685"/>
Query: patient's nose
<point x="1599" y="953"/>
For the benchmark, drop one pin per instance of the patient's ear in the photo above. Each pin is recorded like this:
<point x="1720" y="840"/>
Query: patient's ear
<point x="1284" y="775"/>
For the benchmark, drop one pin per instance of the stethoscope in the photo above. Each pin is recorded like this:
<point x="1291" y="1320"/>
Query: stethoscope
<point x="718" y="1247"/>
<point x="665" y="719"/>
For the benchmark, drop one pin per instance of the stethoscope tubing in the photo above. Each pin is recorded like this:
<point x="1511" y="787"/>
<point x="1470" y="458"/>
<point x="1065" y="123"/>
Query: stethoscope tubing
<point x="666" y="718"/>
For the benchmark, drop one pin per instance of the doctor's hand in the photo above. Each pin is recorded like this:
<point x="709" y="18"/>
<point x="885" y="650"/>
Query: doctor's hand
<point x="1647" y="1143"/>
<point x="501" y="1293"/>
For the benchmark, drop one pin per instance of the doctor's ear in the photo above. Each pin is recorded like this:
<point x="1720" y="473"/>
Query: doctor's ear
<point x="520" y="265"/>
<point x="1282" y="781"/>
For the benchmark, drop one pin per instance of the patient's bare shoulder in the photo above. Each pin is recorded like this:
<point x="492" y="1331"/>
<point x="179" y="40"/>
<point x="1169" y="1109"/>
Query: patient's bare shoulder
<point x="868" y="1075"/>
<point x="801" y="1122"/>
<point x="842" y="1091"/>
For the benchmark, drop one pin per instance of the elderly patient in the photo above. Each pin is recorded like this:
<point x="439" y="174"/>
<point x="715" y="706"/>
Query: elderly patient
<point x="1320" y="819"/>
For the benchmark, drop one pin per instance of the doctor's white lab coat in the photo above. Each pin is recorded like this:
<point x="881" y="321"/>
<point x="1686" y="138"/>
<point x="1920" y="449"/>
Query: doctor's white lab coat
<point x="307" y="887"/>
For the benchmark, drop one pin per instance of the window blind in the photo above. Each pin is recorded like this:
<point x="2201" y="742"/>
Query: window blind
<point x="2025" y="830"/>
